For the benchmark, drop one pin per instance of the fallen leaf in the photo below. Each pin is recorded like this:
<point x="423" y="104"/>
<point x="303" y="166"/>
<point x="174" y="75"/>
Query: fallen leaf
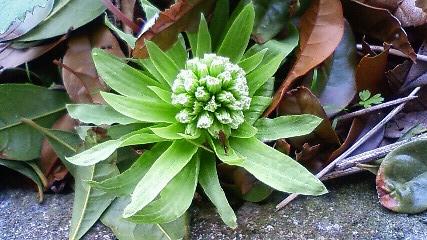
<point x="81" y="79"/>
<point x="396" y="76"/>
<point x="421" y="4"/>
<point x="307" y="153"/>
<point x="181" y="16"/>
<point x="356" y="128"/>
<point x="378" y="23"/>
<point x="19" y="17"/>
<point x="283" y="146"/>
<point x="370" y="73"/>
<point x="402" y="178"/>
<point x="321" y="30"/>
<point x="404" y="122"/>
<point x="391" y="5"/>
<point x="302" y="101"/>
<point x="410" y="15"/>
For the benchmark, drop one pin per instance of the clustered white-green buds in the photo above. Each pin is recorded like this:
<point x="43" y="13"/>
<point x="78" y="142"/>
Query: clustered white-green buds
<point x="212" y="94"/>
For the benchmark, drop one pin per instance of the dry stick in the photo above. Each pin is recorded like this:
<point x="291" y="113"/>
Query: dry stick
<point x="393" y="52"/>
<point x="341" y="173"/>
<point x="357" y="144"/>
<point x="375" y="153"/>
<point x="375" y="108"/>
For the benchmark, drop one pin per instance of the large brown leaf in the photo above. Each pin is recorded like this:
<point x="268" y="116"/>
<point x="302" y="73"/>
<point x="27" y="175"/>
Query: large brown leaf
<point x="321" y="30"/>
<point x="181" y="16"/>
<point x="80" y="79"/>
<point x="378" y="23"/>
<point x="302" y="101"/>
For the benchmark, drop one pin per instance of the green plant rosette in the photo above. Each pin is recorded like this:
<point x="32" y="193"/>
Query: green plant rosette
<point x="195" y="108"/>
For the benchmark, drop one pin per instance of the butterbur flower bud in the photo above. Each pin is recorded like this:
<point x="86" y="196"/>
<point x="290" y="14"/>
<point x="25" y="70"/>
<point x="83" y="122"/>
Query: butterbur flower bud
<point x="212" y="94"/>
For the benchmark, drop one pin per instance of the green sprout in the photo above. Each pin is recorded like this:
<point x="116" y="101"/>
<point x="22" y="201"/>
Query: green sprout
<point x="366" y="100"/>
<point x="195" y="109"/>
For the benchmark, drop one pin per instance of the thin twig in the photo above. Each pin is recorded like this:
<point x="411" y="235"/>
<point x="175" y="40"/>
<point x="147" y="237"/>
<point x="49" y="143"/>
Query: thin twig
<point x="375" y="154"/>
<point x="393" y="52"/>
<point x="341" y="173"/>
<point x="375" y="108"/>
<point x="357" y="144"/>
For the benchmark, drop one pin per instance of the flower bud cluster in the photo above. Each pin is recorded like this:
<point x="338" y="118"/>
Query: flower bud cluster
<point x="212" y="94"/>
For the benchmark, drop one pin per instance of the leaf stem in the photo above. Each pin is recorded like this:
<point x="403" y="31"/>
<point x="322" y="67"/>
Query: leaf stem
<point x="121" y="16"/>
<point x="393" y="52"/>
<point x="39" y="173"/>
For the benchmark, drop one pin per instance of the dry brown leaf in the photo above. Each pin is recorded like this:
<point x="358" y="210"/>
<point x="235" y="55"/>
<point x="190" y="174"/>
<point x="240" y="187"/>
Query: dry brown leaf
<point x="81" y="80"/>
<point x="370" y="72"/>
<point x="356" y="128"/>
<point x="307" y="153"/>
<point x="391" y="5"/>
<point x="181" y="16"/>
<point x="410" y="15"/>
<point x="321" y="30"/>
<point x="421" y="4"/>
<point x="378" y="23"/>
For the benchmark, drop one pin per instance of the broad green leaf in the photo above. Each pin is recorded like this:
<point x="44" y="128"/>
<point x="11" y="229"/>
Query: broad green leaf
<point x="117" y="131"/>
<point x="245" y="130"/>
<point x="258" y="106"/>
<point x="121" y="77"/>
<point x="286" y="126"/>
<point x="168" y="165"/>
<point x="149" y="9"/>
<point x="237" y="38"/>
<point x="178" y="52"/>
<point x="208" y="179"/>
<point x="170" y="132"/>
<point x="97" y="114"/>
<point x="89" y="203"/>
<point x="402" y="178"/>
<point x="128" y="38"/>
<point x="225" y="153"/>
<point x="219" y="20"/>
<point x="143" y="109"/>
<point x="263" y="73"/>
<point x="163" y="63"/>
<point x="19" y="141"/>
<point x="259" y="192"/>
<point x="252" y="62"/>
<point x="271" y="17"/>
<point x="171" y="203"/>
<point x="164" y="95"/>
<point x="26" y="170"/>
<point x="204" y="44"/>
<point x="124" y="183"/>
<point x="104" y="150"/>
<point x="126" y="230"/>
<point x="276" y="169"/>
<point x="19" y="17"/>
<point x="149" y="66"/>
<point x="65" y="15"/>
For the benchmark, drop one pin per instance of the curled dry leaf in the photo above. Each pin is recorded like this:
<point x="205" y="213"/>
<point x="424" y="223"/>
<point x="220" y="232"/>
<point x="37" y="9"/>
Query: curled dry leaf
<point x="409" y="14"/>
<point x="402" y="178"/>
<point x="370" y="72"/>
<point x="321" y="30"/>
<point x="181" y="16"/>
<point x="378" y="23"/>
<point x="302" y="101"/>
<point x="79" y="74"/>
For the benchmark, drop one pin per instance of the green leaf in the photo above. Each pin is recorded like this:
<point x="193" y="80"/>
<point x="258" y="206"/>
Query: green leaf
<point x="178" y="52"/>
<point x="143" y="109"/>
<point x="97" y="114"/>
<point x="168" y="165"/>
<point x="237" y="38"/>
<point x="58" y="22"/>
<point x="89" y="203"/>
<point x="128" y="38"/>
<point x="259" y="192"/>
<point x="117" y="131"/>
<point x="149" y="9"/>
<point x="171" y="203"/>
<point x="245" y="130"/>
<point x="252" y="62"/>
<point x="126" y="230"/>
<point x="364" y="95"/>
<point x="163" y="63"/>
<point x="25" y="169"/>
<point x="270" y="18"/>
<point x="258" y="106"/>
<point x="219" y="19"/>
<point x="104" y="150"/>
<point x="230" y="156"/>
<point x="19" y="17"/>
<point x="166" y="96"/>
<point x="366" y="100"/>
<point x="208" y="179"/>
<point x="276" y="169"/>
<point x="286" y="126"/>
<point x="267" y="90"/>
<point x="170" y="132"/>
<point x="402" y="178"/>
<point x="149" y="66"/>
<point x="121" y="77"/>
<point x="204" y="44"/>
<point x="19" y="141"/>
<point x="124" y="183"/>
